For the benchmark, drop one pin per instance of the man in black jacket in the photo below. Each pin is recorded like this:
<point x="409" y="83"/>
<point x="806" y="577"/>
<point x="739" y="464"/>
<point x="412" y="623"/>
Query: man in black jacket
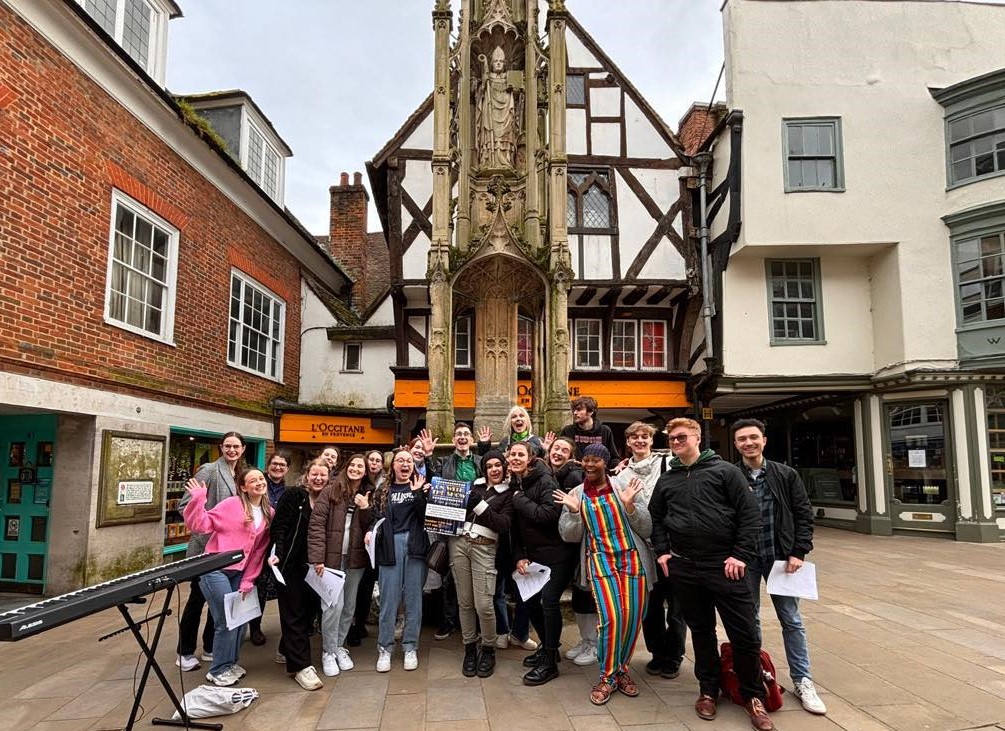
<point x="586" y="429"/>
<point x="705" y="529"/>
<point x="786" y="535"/>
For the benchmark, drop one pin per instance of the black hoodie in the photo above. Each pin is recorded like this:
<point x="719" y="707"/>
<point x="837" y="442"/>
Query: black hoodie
<point x="536" y="533"/>
<point x="599" y="434"/>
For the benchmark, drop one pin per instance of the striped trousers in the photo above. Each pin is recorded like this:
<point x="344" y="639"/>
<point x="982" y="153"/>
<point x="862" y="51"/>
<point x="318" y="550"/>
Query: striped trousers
<point x="619" y="588"/>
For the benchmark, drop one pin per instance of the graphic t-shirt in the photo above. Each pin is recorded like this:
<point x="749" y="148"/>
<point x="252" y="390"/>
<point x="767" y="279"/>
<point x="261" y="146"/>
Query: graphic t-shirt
<point x="400" y="504"/>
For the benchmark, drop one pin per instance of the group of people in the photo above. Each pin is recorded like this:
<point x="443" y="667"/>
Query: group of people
<point x="655" y="542"/>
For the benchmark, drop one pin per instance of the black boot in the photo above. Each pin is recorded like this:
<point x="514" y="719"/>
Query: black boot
<point x="470" y="666"/>
<point x="535" y="658"/>
<point x="547" y="670"/>
<point x="486" y="661"/>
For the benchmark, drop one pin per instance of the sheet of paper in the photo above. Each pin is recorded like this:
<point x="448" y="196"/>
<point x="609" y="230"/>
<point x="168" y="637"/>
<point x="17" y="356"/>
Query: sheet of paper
<point x="241" y="611"/>
<point x="371" y="550"/>
<point x="328" y="586"/>
<point x="533" y="581"/>
<point x="275" y="568"/>
<point x="802" y="584"/>
<point x="917" y="458"/>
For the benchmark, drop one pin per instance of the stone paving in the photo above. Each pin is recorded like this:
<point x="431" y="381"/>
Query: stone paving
<point x="909" y="634"/>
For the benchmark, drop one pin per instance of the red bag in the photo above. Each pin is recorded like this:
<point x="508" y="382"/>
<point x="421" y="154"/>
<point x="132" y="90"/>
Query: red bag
<point x="730" y="683"/>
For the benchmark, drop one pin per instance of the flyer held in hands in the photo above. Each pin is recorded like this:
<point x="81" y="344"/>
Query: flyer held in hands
<point x="446" y="506"/>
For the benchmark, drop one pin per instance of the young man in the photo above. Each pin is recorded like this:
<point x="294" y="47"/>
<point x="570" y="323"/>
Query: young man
<point x="786" y="535"/>
<point x="464" y="465"/>
<point x="705" y="529"/>
<point x="586" y="429"/>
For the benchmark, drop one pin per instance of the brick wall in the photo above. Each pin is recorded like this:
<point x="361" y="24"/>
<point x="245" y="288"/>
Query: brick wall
<point x="63" y="144"/>
<point x="347" y="235"/>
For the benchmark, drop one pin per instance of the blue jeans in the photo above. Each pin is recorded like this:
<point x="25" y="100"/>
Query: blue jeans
<point x="226" y="642"/>
<point x="787" y="610"/>
<point x="404" y="579"/>
<point x="335" y="620"/>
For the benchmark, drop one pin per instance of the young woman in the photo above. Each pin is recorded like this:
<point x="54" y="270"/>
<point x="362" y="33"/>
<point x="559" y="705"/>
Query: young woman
<point x="338" y="524"/>
<point x="401" y="550"/>
<point x="218" y="477"/>
<point x="611" y="524"/>
<point x="663" y="626"/>
<point x="569" y="474"/>
<point x="516" y="429"/>
<point x="473" y="563"/>
<point x="537" y="539"/>
<point x="298" y="603"/>
<point x="376" y="471"/>
<point x="240" y="522"/>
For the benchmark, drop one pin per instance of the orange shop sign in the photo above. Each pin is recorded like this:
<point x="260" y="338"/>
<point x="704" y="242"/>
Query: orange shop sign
<point x="306" y="428"/>
<point x="621" y="394"/>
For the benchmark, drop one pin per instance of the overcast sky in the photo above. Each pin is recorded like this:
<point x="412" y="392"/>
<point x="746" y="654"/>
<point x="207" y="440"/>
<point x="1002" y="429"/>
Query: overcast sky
<point x="338" y="78"/>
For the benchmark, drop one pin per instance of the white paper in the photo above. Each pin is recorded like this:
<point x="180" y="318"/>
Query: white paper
<point x="371" y="550"/>
<point x="328" y="586"/>
<point x="445" y="512"/>
<point x="275" y="567"/>
<point x="241" y="611"/>
<point x="802" y="584"/>
<point x="916" y="458"/>
<point x="533" y="581"/>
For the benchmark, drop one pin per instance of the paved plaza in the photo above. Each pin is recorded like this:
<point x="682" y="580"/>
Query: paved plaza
<point x="909" y="634"/>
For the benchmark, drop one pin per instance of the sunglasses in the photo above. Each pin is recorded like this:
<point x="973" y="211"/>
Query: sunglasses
<point x="679" y="438"/>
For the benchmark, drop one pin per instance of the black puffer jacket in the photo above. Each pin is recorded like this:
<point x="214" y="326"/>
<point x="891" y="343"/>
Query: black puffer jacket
<point x="569" y="475"/>
<point x="705" y="512"/>
<point x="289" y="530"/>
<point x="536" y="534"/>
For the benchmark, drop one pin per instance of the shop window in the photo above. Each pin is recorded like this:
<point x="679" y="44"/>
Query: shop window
<point x="589" y="201"/>
<point x="524" y="343"/>
<point x="624" y="344"/>
<point x="821" y="447"/>
<point x="352" y="357"/>
<point x="587" y="344"/>
<point x="142" y="267"/>
<point x="257" y="318"/>
<point x="462" y="342"/>
<point x="813" y="154"/>
<point x="996" y="444"/>
<point x="794" y="296"/>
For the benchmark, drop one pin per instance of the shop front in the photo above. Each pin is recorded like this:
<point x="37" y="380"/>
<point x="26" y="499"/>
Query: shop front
<point x="303" y="434"/>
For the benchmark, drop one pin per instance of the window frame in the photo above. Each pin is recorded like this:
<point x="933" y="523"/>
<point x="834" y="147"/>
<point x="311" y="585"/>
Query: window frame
<point x="345" y="357"/>
<point x="579" y="190"/>
<point x="521" y="321"/>
<point x="585" y="77"/>
<point x="818" y="319"/>
<point x="642" y="339"/>
<point x="965" y="99"/>
<point x="166" y="334"/>
<point x="248" y="281"/>
<point x="156" y="41"/>
<point x="973" y="223"/>
<point x="839" y="179"/>
<point x="466" y="319"/>
<point x="636" y="338"/>
<point x="575" y="344"/>
<point x="248" y="129"/>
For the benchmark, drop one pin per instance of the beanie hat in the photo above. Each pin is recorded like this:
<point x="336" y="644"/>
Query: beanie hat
<point x="597" y="450"/>
<point x="494" y="454"/>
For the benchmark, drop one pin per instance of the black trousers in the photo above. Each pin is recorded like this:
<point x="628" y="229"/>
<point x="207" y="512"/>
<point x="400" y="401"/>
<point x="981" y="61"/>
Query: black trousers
<point x="702" y="591"/>
<point x="544" y="609"/>
<point x="298" y="605"/>
<point x="188" y="625"/>
<point x="364" y="597"/>
<point x="663" y="626"/>
<point x="583" y="601"/>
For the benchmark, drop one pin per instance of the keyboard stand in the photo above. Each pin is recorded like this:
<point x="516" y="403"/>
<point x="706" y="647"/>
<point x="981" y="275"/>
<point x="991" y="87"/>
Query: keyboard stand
<point x="151" y="664"/>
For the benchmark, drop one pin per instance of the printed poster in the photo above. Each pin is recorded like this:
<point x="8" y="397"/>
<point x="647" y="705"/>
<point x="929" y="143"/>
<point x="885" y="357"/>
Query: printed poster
<point x="446" y="506"/>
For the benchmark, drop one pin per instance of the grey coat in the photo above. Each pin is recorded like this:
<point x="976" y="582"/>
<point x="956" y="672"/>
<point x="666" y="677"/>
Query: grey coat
<point x="220" y="486"/>
<point x="570" y="527"/>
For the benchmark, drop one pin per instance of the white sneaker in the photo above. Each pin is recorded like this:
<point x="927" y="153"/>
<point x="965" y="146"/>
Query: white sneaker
<point x="225" y="678"/>
<point x="280" y="659"/>
<point x="806" y="692"/>
<point x="329" y="664"/>
<point x="399" y="628"/>
<point x="588" y="656"/>
<point x="187" y="662"/>
<point x="238" y="671"/>
<point x="308" y="678"/>
<point x="573" y="652"/>
<point x="383" y="660"/>
<point x="206" y="656"/>
<point x="411" y="660"/>
<point x="344" y="660"/>
<point x="502" y="642"/>
<point x="527" y="644"/>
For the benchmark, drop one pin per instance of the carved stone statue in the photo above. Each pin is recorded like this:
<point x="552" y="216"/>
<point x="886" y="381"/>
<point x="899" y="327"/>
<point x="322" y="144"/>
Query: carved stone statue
<point x="495" y="116"/>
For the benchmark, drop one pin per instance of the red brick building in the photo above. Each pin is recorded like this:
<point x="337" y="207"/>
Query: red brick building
<point x="150" y="290"/>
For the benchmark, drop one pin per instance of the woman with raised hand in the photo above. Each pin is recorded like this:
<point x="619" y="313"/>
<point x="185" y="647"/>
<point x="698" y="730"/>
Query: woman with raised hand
<point x="238" y="522"/>
<point x="473" y="563"/>
<point x="536" y="539"/>
<point x="401" y="549"/>
<point x="298" y="603"/>
<point x="338" y="524"/>
<point x="611" y="524"/>
<point x="516" y="429"/>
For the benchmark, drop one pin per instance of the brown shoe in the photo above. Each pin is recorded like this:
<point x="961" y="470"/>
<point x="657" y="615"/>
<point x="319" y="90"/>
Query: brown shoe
<point x="759" y="717"/>
<point x="601" y="692"/>
<point x="705" y="707"/>
<point x="627" y="686"/>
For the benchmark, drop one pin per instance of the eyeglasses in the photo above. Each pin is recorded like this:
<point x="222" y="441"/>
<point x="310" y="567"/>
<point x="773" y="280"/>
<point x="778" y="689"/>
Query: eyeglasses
<point x="679" y="438"/>
<point x="404" y="461"/>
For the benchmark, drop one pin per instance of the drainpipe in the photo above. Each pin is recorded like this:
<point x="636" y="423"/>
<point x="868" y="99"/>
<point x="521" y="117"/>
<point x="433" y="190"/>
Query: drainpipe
<point x="704" y="160"/>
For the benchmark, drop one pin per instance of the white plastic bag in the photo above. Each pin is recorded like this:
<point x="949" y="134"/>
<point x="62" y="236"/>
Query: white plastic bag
<point x="210" y="700"/>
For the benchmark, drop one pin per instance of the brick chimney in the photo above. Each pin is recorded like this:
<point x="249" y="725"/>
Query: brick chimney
<point x="697" y="123"/>
<point x="347" y="230"/>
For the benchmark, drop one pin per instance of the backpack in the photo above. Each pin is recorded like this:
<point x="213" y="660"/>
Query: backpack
<point x="730" y="683"/>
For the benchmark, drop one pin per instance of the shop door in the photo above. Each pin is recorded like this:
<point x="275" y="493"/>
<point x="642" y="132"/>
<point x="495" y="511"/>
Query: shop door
<point x="26" y="472"/>
<point x="919" y="474"/>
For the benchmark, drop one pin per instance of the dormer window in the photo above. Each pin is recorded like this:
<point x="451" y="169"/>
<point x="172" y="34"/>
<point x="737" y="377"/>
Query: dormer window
<point x="263" y="162"/>
<point x="138" y="26"/>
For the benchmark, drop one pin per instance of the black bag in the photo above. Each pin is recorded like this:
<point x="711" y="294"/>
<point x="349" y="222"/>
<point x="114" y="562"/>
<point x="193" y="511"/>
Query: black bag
<point x="438" y="557"/>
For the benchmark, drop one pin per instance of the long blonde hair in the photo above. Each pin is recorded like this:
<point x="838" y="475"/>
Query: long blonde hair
<point x="246" y="501"/>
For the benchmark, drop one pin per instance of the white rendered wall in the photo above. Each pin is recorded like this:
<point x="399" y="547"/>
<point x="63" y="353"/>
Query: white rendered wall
<point x="871" y="64"/>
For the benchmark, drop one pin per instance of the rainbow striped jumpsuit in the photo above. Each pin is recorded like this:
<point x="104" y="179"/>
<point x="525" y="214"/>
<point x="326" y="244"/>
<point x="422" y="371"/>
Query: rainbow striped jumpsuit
<point x="617" y="578"/>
